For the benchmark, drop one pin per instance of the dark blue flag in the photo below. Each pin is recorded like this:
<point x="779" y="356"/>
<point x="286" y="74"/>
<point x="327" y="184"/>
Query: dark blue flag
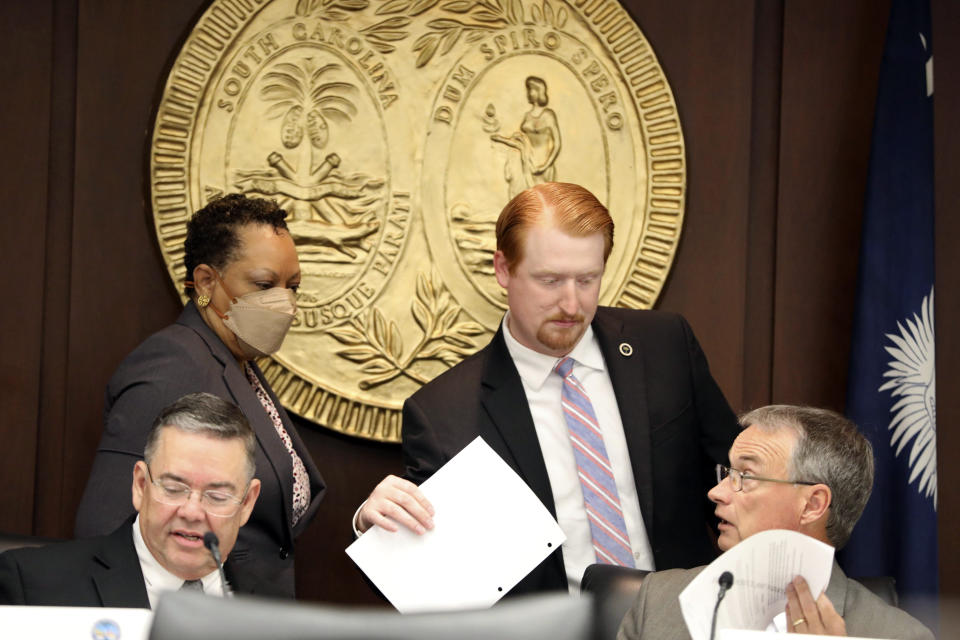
<point x="892" y="390"/>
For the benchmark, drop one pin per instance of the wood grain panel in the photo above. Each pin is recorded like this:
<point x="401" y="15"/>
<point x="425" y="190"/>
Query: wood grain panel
<point x="831" y="58"/>
<point x="25" y="62"/>
<point x="119" y="289"/>
<point x="706" y="50"/>
<point x="946" y="114"/>
<point x="776" y="101"/>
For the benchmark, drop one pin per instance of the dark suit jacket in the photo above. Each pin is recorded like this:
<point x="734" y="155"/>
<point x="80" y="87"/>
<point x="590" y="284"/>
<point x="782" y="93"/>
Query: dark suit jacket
<point x="676" y="421"/>
<point x="187" y="357"/>
<point x="656" y="614"/>
<point x="95" y="572"/>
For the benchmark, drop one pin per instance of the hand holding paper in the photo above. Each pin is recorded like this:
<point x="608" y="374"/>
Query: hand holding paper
<point x="396" y="501"/>
<point x="490" y="531"/>
<point x="808" y="615"/>
<point x="762" y="565"/>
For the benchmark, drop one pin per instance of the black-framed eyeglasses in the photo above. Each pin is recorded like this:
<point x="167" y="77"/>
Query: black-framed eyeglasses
<point x="737" y="477"/>
<point x="220" y="504"/>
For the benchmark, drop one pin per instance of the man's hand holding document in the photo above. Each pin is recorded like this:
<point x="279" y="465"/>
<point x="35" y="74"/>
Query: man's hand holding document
<point x="490" y="531"/>
<point x="762" y="567"/>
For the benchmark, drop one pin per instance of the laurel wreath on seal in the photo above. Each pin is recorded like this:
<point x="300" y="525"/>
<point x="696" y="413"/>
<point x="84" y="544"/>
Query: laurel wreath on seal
<point x="479" y="18"/>
<point x="379" y="35"/>
<point x="378" y="345"/>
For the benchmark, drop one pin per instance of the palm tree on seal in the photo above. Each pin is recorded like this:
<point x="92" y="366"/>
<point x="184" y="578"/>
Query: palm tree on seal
<point x="307" y="99"/>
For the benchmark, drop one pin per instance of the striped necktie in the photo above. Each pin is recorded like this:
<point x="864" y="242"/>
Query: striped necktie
<point x="610" y="540"/>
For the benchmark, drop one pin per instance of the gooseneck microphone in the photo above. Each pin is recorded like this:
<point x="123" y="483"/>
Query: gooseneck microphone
<point x="726" y="581"/>
<point x="212" y="543"/>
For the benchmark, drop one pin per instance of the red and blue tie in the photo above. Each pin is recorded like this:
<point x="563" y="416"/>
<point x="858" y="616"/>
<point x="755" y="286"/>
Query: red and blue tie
<point x="610" y="540"/>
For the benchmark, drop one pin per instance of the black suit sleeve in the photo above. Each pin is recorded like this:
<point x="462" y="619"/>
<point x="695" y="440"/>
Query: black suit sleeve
<point x="11" y="584"/>
<point x="421" y="451"/>
<point x="157" y="373"/>
<point x="718" y="424"/>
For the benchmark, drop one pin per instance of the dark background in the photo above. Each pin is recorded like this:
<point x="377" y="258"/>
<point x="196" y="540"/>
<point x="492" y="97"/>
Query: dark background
<point x="776" y="100"/>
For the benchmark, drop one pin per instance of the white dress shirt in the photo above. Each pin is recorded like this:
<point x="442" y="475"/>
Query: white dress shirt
<point x="543" y="389"/>
<point x="158" y="579"/>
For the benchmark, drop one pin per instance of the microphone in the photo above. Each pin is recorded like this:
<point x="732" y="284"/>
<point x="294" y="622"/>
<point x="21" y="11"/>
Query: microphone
<point x="726" y="581"/>
<point x="212" y="543"/>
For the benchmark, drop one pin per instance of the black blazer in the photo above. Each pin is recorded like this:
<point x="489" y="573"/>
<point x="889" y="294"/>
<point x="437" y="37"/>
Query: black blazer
<point x="675" y="419"/>
<point x="103" y="571"/>
<point x="96" y="572"/>
<point x="188" y="357"/>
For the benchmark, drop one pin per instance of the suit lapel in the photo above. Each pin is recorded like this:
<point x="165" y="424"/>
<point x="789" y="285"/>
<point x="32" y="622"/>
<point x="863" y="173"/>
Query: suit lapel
<point x="628" y="376"/>
<point x="245" y="398"/>
<point x="505" y="402"/>
<point x="116" y="571"/>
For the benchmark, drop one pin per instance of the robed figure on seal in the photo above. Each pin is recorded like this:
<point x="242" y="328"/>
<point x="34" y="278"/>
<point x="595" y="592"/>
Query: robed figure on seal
<point x="538" y="141"/>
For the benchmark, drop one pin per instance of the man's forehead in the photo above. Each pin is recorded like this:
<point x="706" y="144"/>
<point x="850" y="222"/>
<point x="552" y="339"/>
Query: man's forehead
<point x="546" y="237"/>
<point x="763" y="445"/>
<point x="176" y="444"/>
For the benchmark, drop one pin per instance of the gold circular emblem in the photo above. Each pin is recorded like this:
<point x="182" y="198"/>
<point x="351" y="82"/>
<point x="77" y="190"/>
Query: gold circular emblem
<point x="393" y="132"/>
<point x="626" y="350"/>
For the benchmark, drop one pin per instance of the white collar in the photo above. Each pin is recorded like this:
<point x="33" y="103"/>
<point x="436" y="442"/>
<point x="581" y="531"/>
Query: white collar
<point x="535" y="367"/>
<point x="157" y="577"/>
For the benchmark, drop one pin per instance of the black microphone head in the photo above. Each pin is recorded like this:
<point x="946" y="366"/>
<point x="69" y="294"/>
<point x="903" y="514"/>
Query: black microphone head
<point x="726" y="578"/>
<point x="210" y="540"/>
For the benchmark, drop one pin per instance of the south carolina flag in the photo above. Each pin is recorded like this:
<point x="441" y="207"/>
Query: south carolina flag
<point x="892" y="383"/>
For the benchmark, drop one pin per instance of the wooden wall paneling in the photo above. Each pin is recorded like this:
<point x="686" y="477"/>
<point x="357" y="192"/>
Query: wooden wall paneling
<point x="777" y="152"/>
<point x="351" y="468"/>
<point x="706" y="50"/>
<point x="760" y="252"/>
<point x="120" y="292"/>
<point x="52" y="414"/>
<point x="25" y="63"/>
<point x="831" y="58"/>
<point x="946" y="105"/>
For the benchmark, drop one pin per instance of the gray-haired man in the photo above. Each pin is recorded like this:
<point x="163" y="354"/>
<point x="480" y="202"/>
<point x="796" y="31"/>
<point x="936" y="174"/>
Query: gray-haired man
<point x="196" y="477"/>
<point x="798" y="468"/>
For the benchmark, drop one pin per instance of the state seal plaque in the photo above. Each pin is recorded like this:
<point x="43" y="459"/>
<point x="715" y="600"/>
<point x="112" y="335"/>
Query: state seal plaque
<point x="393" y="132"/>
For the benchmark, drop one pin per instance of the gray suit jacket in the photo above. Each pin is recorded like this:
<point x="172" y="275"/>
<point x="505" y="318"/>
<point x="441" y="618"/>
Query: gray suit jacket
<point x="676" y="421"/>
<point x="656" y="613"/>
<point x="188" y="357"/>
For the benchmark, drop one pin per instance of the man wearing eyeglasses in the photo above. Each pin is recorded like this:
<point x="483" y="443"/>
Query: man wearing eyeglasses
<point x="797" y="468"/>
<point x="196" y="477"/>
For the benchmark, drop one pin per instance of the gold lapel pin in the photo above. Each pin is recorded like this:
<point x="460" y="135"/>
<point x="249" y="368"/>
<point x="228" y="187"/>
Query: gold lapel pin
<point x="626" y="350"/>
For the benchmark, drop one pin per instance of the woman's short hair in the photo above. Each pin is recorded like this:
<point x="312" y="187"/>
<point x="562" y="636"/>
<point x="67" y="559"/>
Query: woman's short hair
<point x="569" y="207"/>
<point x="212" y="232"/>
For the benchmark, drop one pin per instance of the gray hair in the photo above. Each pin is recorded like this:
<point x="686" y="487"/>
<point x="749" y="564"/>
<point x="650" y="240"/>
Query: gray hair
<point x="208" y="415"/>
<point x="829" y="450"/>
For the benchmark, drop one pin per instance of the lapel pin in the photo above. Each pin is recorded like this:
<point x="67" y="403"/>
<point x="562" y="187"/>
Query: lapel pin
<point x="626" y="350"/>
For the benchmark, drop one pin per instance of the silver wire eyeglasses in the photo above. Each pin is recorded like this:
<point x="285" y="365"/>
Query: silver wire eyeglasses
<point x="176" y="494"/>
<point x="737" y="477"/>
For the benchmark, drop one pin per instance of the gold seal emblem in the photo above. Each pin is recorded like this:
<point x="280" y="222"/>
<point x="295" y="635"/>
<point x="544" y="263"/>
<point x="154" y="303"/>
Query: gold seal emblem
<point x="393" y="132"/>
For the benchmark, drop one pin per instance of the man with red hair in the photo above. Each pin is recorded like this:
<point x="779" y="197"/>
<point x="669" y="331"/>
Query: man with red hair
<point x="608" y="414"/>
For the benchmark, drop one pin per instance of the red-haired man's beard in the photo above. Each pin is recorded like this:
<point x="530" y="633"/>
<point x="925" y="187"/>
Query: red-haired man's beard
<point x="561" y="338"/>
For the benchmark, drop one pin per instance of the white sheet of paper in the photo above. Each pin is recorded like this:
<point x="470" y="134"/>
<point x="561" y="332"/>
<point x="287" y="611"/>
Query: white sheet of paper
<point x="75" y="623"/>
<point x="762" y="566"/>
<point x="490" y="531"/>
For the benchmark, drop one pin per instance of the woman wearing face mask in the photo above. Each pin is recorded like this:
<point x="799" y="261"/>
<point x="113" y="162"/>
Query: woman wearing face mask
<point x="243" y="274"/>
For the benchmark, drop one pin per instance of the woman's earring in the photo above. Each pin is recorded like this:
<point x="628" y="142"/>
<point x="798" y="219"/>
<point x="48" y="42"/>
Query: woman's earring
<point x="203" y="300"/>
